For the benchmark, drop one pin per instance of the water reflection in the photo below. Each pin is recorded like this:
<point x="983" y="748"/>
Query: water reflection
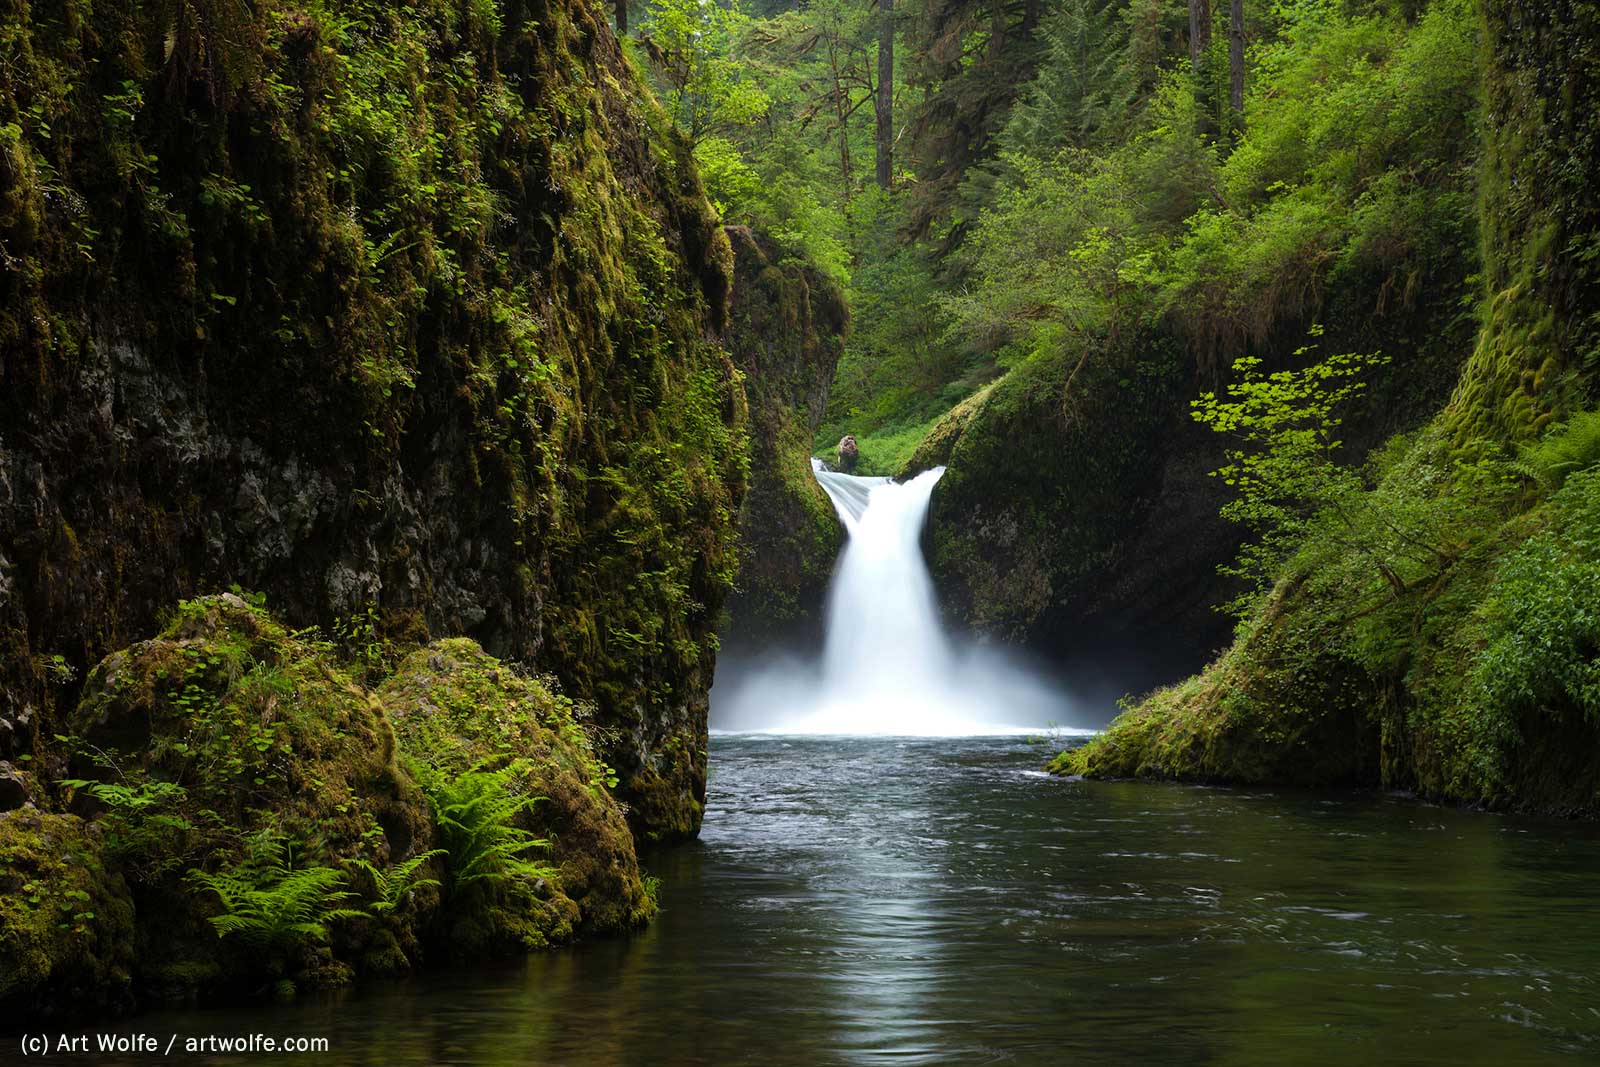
<point x="877" y="901"/>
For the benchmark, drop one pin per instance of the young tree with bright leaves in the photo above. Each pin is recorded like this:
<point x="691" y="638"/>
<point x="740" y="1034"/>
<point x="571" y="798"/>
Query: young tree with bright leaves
<point x="1285" y="468"/>
<point x="708" y="92"/>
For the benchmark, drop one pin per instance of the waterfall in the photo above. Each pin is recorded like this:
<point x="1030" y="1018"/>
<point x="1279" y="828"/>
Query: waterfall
<point x="887" y="667"/>
<point x="883" y="621"/>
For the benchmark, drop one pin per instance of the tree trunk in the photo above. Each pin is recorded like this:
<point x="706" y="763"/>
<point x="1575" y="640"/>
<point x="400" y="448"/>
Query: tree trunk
<point x="1199" y="31"/>
<point x="621" y="9"/>
<point x="885" y="99"/>
<point x="1194" y="35"/>
<point x="1236" y="55"/>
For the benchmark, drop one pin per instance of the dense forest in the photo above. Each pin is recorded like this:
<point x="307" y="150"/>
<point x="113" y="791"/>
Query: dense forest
<point x="402" y="405"/>
<point x="1270" y="312"/>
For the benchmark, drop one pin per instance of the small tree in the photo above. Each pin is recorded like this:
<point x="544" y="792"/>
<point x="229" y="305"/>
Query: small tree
<point x="706" y="88"/>
<point x="1285" y="469"/>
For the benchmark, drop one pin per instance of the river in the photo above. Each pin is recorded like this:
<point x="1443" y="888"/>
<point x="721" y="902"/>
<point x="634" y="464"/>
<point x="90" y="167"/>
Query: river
<point x="878" y="901"/>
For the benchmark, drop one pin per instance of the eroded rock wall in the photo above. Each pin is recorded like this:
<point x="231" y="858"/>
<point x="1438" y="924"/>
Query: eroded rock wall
<point x="410" y="310"/>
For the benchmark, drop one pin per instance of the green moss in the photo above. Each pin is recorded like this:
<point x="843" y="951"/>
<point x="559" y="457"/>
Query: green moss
<point x="1046" y="468"/>
<point x="228" y="738"/>
<point x="1473" y="683"/>
<point x="1540" y="222"/>
<point x="787" y="327"/>
<point x="1283" y="705"/>
<point x="263" y="735"/>
<point x="454" y="708"/>
<point x="455" y="246"/>
<point x="66" y="919"/>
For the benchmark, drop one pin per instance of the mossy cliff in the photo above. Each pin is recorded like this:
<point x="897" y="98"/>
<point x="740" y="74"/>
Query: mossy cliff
<point x="1114" y="286"/>
<point x="410" y="309"/>
<point x="787" y="324"/>
<point x="1078" y="514"/>
<point x="1450" y="647"/>
<point x="230" y="748"/>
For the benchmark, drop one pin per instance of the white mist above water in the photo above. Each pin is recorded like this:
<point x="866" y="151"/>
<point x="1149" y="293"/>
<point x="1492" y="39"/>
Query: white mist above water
<point x="888" y="667"/>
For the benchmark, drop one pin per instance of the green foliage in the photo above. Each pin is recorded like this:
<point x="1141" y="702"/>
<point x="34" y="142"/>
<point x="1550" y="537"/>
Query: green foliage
<point x="389" y="888"/>
<point x="1565" y="450"/>
<point x="61" y="672"/>
<point x="357" y="638"/>
<point x="1120" y="200"/>
<point x="1285" y="467"/>
<point x="270" y="904"/>
<point x="476" y="814"/>
<point x="708" y="92"/>
<point x="146" y="827"/>
<point x="1542" y="651"/>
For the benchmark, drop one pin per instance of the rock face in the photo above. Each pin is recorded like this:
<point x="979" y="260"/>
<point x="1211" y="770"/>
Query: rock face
<point x="848" y="453"/>
<point x="1078" y="515"/>
<point x="787" y="326"/>
<point x="410" y="310"/>
<point x="13" y="790"/>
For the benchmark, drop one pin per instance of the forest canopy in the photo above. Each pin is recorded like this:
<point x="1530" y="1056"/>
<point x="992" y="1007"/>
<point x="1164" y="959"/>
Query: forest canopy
<point x="1061" y="174"/>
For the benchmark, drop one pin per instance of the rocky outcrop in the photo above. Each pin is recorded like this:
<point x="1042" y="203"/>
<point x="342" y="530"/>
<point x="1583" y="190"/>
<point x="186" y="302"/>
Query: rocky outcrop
<point x="848" y="453"/>
<point x="454" y="709"/>
<point x="786" y="332"/>
<point x="406" y="311"/>
<point x="245" y="814"/>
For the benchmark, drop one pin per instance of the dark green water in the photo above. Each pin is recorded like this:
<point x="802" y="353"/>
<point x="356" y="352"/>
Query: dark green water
<point x="905" y="902"/>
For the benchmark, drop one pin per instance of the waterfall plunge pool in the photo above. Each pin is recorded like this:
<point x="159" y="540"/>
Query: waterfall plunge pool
<point x="878" y="901"/>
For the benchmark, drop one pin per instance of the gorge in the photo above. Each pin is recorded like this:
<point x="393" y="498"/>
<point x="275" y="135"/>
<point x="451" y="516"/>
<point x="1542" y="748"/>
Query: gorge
<point x="425" y="620"/>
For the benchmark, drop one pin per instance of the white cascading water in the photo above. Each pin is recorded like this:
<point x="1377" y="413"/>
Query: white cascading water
<point x="888" y="667"/>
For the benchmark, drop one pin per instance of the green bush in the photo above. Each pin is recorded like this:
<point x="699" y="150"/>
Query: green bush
<point x="1543" y="650"/>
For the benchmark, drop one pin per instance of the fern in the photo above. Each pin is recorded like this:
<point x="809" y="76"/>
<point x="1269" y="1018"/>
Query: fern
<point x="476" y="815"/>
<point x="391" y="886"/>
<point x="146" y="827"/>
<point x="267" y="903"/>
<point x="128" y="798"/>
<point x="1571" y="447"/>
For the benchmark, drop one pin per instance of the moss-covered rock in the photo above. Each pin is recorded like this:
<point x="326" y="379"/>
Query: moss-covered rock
<point x="1477" y="686"/>
<point x="66" y="918"/>
<point x="410" y="308"/>
<point x="1283" y="704"/>
<point x="787" y="324"/>
<point x="214" y="769"/>
<point x="455" y="709"/>
<point x="236" y="737"/>
<point x="1540" y="223"/>
<point x="1041" y="523"/>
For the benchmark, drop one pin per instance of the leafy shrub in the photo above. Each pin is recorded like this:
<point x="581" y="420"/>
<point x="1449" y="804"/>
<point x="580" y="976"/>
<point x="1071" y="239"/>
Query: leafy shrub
<point x="1543" y="652"/>
<point x="1285" y="468"/>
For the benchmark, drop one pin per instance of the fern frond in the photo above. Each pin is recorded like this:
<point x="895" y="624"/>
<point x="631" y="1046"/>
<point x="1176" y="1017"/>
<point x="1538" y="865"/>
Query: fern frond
<point x="270" y="904"/>
<point x="476" y="814"/>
